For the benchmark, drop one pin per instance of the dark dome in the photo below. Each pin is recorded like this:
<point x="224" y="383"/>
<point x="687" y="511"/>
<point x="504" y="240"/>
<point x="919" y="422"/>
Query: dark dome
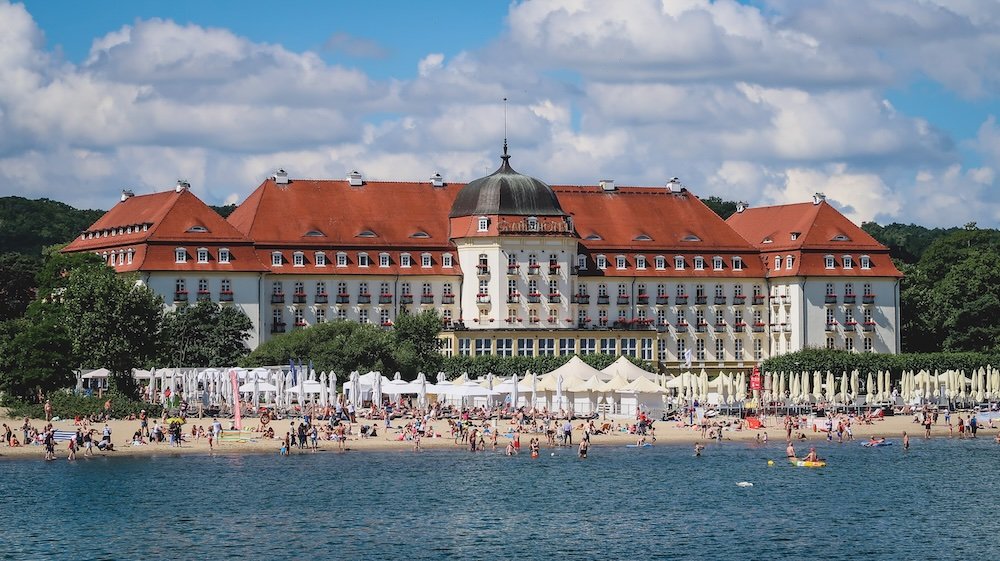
<point x="506" y="192"/>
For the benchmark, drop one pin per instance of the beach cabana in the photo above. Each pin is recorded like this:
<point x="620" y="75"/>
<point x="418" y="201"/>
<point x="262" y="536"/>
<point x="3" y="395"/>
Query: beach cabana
<point x="627" y="369"/>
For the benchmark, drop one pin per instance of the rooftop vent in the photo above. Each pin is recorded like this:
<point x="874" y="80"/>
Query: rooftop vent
<point x="607" y="184"/>
<point x="182" y="186"/>
<point x="355" y="179"/>
<point x="437" y="180"/>
<point x="674" y="185"/>
<point x="741" y="206"/>
<point x="818" y="198"/>
<point x="281" y="177"/>
<point x="127" y="194"/>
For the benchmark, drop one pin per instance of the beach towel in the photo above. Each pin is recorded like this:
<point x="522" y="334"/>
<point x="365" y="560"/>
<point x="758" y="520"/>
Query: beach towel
<point x="754" y="423"/>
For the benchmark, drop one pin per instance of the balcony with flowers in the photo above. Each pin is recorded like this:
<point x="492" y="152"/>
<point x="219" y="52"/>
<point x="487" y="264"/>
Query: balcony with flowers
<point x="322" y="298"/>
<point x="343" y="298"/>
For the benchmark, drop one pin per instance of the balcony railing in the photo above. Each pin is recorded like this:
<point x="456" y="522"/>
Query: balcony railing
<point x="180" y="296"/>
<point x="278" y="327"/>
<point x="483" y="270"/>
<point x="533" y="269"/>
<point x="850" y="325"/>
<point x="299" y="298"/>
<point x="534" y="298"/>
<point x="661" y="326"/>
<point x="642" y="299"/>
<point x="226" y="296"/>
<point x="622" y="300"/>
<point x="831" y="299"/>
<point x="701" y="327"/>
<point x="426" y="298"/>
<point x="681" y="300"/>
<point x="554" y="297"/>
<point x="387" y="299"/>
<point x="482" y="299"/>
<point x="739" y="327"/>
<point x="681" y="328"/>
<point x="868" y="326"/>
<point x="720" y="328"/>
<point x="513" y="298"/>
<point x="277" y="297"/>
<point x="739" y="300"/>
<point x="868" y="299"/>
<point x="775" y="328"/>
<point x="404" y="299"/>
<point x="448" y="299"/>
<point x="831" y="326"/>
<point x="786" y="327"/>
<point x="343" y="299"/>
<point x="758" y="328"/>
<point x="603" y="299"/>
<point x="364" y="298"/>
<point x="700" y="300"/>
<point x="758" y="299"/>
<point x="720" y="300"/>
<point x="662" y="300"/>
<point x="204" y="296"/>
<point x="850" y="298"/>
<point x="513" y="270"/>
<point x="322" y="298"/>
<point x="582" y="298"/>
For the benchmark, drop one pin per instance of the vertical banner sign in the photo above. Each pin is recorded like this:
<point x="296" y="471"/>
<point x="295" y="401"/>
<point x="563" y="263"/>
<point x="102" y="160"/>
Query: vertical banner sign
<point x="755" y="384"/>
<point x="236" y="399"/>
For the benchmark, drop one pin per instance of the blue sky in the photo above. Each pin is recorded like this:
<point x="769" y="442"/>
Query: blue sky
<point x="887" y="106"/>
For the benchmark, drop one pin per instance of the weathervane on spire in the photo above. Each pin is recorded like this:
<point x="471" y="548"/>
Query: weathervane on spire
<point x="505" y="156"/>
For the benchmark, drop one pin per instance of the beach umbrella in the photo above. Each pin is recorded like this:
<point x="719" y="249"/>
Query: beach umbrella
<point x="781" y="386"/>
<point x="489" y="386"/>
<point x="323" y="391"/>
<point x="422" y="392"/>
<point x="256" y="393"/>
<point x="513" y="391"/>
<point x="534" y="387"/>
<point x="795" y="388"/>
<point x="804" y="387"/>
<point x="377" y="390"/>
<point x="869" y="389"/>
<point x="703" y="385"/>
<point x="981" y="385"/>
<point x="855" y="387"/>
<point x="559" y="392"/>
<point x="843" y="388"/>
<point x="830" y="386"/>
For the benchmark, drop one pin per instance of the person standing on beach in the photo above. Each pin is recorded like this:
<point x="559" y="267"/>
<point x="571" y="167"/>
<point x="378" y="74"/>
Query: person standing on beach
<point x="927" y="426"/>
<point x="48" y="411"/>
<point x="568" y="433"/>
<point x="973" y="425"/>
<point x="72" y="449"/>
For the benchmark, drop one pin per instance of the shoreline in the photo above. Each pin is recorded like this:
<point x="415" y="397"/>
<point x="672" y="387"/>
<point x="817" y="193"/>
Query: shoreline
<point x="667" y="433"/>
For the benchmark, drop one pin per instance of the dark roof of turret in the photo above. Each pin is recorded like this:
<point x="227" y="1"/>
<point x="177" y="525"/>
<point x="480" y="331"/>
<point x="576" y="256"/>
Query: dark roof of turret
<point x="506" y="192"/>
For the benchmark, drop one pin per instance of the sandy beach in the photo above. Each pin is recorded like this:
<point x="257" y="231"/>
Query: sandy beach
<point x="666" y="433"/>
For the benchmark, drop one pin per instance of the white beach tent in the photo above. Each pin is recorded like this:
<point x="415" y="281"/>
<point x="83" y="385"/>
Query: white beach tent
<point x="641" y="393"/>
<point x="628" y="370"/>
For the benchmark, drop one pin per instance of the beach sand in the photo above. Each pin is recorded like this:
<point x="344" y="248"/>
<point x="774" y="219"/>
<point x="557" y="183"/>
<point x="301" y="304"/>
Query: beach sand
<point x="666" y="433"/>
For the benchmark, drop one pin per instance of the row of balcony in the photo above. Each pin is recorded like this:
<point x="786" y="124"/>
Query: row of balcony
<point x="363" y="298"/>
<point x="852" y="326"/>
<point x="514" y="270"/>
<point x="851" y="299"/>
<point x="181" y="296"/>
<point x="663" y="300"/>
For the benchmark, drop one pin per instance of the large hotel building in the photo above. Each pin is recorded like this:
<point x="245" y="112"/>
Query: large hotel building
<point x="518" y="267"/>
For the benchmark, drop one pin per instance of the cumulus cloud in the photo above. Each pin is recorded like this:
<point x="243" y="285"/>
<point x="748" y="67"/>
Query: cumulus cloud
<point x="766" y="104"/>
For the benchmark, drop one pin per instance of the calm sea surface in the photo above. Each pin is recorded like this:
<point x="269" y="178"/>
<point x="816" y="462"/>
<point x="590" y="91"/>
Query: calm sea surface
<point x="937" y="501"/>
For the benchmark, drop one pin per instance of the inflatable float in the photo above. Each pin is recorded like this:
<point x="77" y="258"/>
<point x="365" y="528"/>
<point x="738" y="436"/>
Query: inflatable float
<point x="807" y="464"/>
<point x="646" y="445"/>
<point x="877" y="444"/>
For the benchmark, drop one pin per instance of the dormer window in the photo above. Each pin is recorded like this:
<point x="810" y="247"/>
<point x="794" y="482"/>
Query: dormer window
<point x="404" y="260"/>
<point x="446" y="261"/>
<point x="777" y="262"/>
<point x="425" y="260"/>
<point x="315" y="234"/>
<point x="848" y="262"/>
<point x="532" y="224"/>
<point x="366" y="234"/>
<point x="320" y="258"/>
<point x="699" y="263"/>
<point x="224" y="255"/>
<point x="717" y="263"/>
<point x="795" y="235"/>
<point x="690" y="238"/>
<point x="197" y="230"/>
<point x="840" y="238"/>
<point x="341" y="259"/>
<point x="276" y="259"/>
<point x="202" y="255"/>
<point x="789" y="261"/>
<point x="363" y="260"/>
<point x="737" y="263"/>
<point x="129" y="255"/>
<point x="383" y="260"/>
<point x="661" y="262"/>
<point x="581" y="262"/>
<point x="640" y="262"/>
<point x="679" y="263"/>
<point x="420" y="234"/>
<point x="484" y="224"/>
<point x="829" y="261"/>
<point x="180" y="255"/>
<point x="602" y="262"/>
<point x="620" y="262"/>
<point x="866" y="262"/>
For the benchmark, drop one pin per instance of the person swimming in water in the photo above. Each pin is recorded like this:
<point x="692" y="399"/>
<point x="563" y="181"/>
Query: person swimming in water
<point x="698" y="447"/>
<point x="790" y="450"/>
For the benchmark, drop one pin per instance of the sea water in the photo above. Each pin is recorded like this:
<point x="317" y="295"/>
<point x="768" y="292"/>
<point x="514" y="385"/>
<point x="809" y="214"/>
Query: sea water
<point x="938" y="500"/>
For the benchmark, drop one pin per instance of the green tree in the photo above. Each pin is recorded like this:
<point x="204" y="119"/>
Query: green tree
<point x="417" y="347"/>
<point x="26" y="226"/>
<point x="17" y="284"/>
<point x="35" y="357"/>
<point x="967" y="301"/>
<point x="113" y="322"/>
<point x="724" y="209"/>
<point x="206" y="334"/>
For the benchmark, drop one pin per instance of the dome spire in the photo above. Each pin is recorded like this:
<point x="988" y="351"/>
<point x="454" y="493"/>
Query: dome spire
<point x="506" y="156"/>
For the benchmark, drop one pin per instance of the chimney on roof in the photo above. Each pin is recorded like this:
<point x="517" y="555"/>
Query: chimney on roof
<point x="437" y="180"/>
<point x="182" y="186"/>
<point x="355" y="179"/>
<point x="127" y="194"/>
<point x="818" y="198"/>
<point x="674" y="185"/>
<point x="741" y="206"/>
<point x="607" y="184"/>
<point x="281" y="177"/>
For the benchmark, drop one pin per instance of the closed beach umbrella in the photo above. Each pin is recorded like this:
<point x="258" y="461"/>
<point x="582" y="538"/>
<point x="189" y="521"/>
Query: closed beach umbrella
<point x="513" y="391"/>
<point x="855" y="387"/>
<point x="781" y="386"/>
<point x="256" y="393"/>
<point x="830" y="386"/>
<point x="843" y="388"/>
<point x="869" y="389"/>
<point x="559" y="392"/>
<point x="323" y="402"/>
<point x="377" y="390"/>
<point x="806" y="397"/>
<point x="534" y="388"/>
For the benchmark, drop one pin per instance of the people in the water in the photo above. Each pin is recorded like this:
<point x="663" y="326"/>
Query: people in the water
<point x="812" y="456"/>
<point x="698" y="448"/>
<point x="790" y="450"/>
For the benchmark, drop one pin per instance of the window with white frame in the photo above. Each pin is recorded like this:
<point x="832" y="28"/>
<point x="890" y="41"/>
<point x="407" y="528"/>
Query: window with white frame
<point x="526" y="347"/>
<point x="341" y="314"/>
<point x="320" y="258"/>
<point x="581" y="262"/>
<point x="789" y="260"/>
<point x="699" y="350"/>
<point x="717" y="263"/>
<point x="532" y="224"/>
<point x="679" y="263"/>
<point x="202" y="255"/>
<point x="699" y="263"/>
<point x="720" y="349"/>
<point x="602" y="262"/>
<point x="546" y="347"/>
<point x="341" y="259"/>
<point x="737" y="263"/>
<point x="869" y="344"/>
<point x="180" y="255"/>
<point x="829" y="289"/>
<point x="588" y="346"/>
<point x="777" y="262"/>
<point x="661" y="350"/>
<point x="446" y="260"/>
<point x="567" y="347"/>
<point x="298" y="259"/>
<point x="848" y="262"/>
<point x="425" y="260"/>
<point x="660" y="263"/>
<point x="849" y="344"/>
<point x="505" y="347"/>
<point x="758" y="349"/>
<point x="383" y="259"/>
<point x="602" y="289"/>
<point x="681" y="348"/>
<point x="226" y="286"/>
<point x="276" y="259"/>
<point x="867" y="288"/>
<point x="620" y="262"/>
<point x="484" y="347"/>
<point x="738" y="349"/>
<point x="866" y="262"/>
<point x="464" y="346"/>
<point x="609" y="346"/>
<point x="484" y="224"/>
<point x="831" y="319"/>
<point x="180" y="286"/>
<point x="363" y="315"/>
<point x="829" y="262"/>
<point x="277" y="288"/>
<point x="321" y="315"/>
<point x="640" y="262"/>
<point x="363" y="260"/>
<point x="128" y="256"/>
<point x="628" y="347"/>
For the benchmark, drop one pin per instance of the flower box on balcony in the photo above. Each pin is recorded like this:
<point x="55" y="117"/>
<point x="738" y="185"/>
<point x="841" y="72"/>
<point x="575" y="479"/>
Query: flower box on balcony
<point x="364" y="298"/>
<point x="403" y="299"/>
<point x="582" y="298"/>
<point x="322" y="298"/>
<point x="534" y="298"/>
<point x="622" y="300"/>
<point x="831" y="326"/>
<point x="426" y="298"/>
<point x="603" y="299"/>
<point x="850" y="298"/>
<point x="661" y="326"/>
<point x="602" y="323"/>
<point x="448" y="299"/>
<point x="720" y="328"/>
<point x="533" y="269"/>
<point x="554" y="297"/>
<point x="758" y="327"/>
<point x="300" y="323"/>
<point x="681" y="327"/>
<point x="662" y="300"/>
<point x="850" y="325"/>
<point x="553" y="320"/>
<point x="513" y="269"/>
<point x="180" y="296"/>
<point x="204" y="296"/>
<point x="868" y="299"/>
<point x="868" y="326"/>
<point x="387" y="299"/>
<point x="720" y="300"/>
<point x="533" y="320"/>
<point x="700" y="300"/>
<point x="482" y="298"/>
<point x="739" y="300"/>
<point x="278" y="298"/>
<point x="758" y="300"/>
<point x="226" y="296"/>
<point x="386" y="324"/>
<point x="513" y="298"/>
<point x="739" y="327"/>
<point x="642" y="299"/>
<point x="681" y="300"/>
<point x="701" y="327"/>
<point x="343" y="298"/>
<point x="299" y="298"/>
